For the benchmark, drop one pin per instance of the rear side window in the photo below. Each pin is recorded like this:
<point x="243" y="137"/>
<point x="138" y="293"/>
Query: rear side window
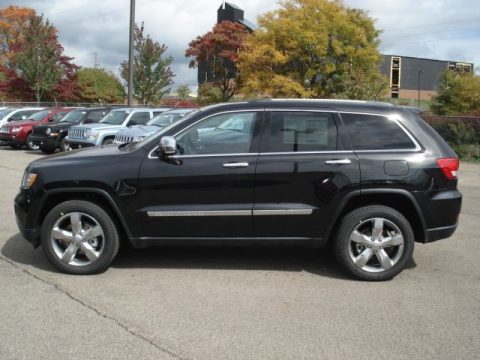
<point x="300" y="131"/>
<point x="376" y="132"/>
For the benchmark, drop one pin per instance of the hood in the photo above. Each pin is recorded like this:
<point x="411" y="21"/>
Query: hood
<point x="99" y="126"/>
<point x="56" y="125"/>
<point x="66" y="158"/>
<point x="139" y="130"/>
<point x="21" y="123"/>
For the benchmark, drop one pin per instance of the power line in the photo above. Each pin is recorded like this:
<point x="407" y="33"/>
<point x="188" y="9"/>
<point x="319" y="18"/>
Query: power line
<point x="431" y="40"/>
<point x="433" y="24"/>
<point x="432" y="32"/>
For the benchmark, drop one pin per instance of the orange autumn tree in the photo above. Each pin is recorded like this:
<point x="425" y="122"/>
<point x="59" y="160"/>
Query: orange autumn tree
<point x="13" y="21"/>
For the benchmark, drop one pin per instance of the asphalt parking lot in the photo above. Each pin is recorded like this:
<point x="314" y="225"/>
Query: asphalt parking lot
<point x="190" y="303"/>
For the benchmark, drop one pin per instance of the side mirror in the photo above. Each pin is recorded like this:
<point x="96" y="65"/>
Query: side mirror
<point x="168" y="145"/>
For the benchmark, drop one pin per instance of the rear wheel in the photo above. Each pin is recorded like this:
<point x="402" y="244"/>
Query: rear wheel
<point x="374" y="243"/>
<point x="79" y="237"/>
<point x="30" y="145"/>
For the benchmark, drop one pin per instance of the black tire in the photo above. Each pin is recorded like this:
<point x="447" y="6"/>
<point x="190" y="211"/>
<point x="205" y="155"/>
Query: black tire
<point x="15" y="146"/>
<point x="362" y="218"/>
<point x="107" y="141"/>
<point x="109" y="239"/>
<point x="30" y="145"/>
<point x="47" y="150"/>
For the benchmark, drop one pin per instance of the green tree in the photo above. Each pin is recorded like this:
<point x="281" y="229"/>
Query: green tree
<point x="39" y="61"/>
<point x="218" y="50"/>
<point x="152" y="74"/>
<point x="183" y="92"/>
<point x="313" y="48"/>
<point x="98" y="85"/>
<point x="459" y="93"/>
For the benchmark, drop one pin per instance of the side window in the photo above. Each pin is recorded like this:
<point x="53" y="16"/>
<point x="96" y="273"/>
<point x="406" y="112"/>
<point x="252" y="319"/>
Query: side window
<point x="220" y="134"/>
<point x="58" y="116"/>
<point x="139" y="118"/>
<point x="300" y="131"/>
<point x="376" y="132"/>
<point x="156" y="113"/>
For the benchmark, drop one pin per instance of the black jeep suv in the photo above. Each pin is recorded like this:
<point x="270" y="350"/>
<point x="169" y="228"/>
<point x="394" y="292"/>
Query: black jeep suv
<point x="50" y="137"/>
<point x="371" y="178"/>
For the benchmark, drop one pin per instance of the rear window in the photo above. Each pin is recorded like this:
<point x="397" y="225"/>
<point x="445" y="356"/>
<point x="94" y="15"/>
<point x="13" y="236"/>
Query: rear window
<point x="376" y="132"/>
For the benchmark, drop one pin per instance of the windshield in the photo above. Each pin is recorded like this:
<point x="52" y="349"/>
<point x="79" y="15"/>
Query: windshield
<point x="74" y="116"/>
<point x="166" y="119"/>
<point x="39" y="115"/>
<point x="136" y="145"/>
<point x="115" y="117"/>
<point x="5" y="112"/>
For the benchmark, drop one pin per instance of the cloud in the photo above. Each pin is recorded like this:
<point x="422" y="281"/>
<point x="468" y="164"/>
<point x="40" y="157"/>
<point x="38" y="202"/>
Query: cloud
<point x="429" y="28"/>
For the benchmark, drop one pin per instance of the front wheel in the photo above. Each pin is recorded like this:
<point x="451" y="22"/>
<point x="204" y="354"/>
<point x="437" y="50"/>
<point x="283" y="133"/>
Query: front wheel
<point x="30" y="145"/>
<point x="107" y="141"/>
<point x="79" y="237"/>
<point x="374" y="243"/>
<point x="64" y="145"/>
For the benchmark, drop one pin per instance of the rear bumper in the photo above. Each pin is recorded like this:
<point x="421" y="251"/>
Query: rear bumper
<point x="441" y="213"/>
<point x="440" y="233"/>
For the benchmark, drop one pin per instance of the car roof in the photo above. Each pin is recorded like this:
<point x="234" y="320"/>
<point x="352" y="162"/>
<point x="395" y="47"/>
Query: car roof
<point x="332" y="104"/>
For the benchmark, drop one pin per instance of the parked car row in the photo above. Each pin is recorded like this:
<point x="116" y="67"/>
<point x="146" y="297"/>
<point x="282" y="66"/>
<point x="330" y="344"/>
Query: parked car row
<point x="49" y="129"/>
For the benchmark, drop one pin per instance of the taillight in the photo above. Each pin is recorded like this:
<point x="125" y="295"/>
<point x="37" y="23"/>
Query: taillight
<point x="449" y="167"/>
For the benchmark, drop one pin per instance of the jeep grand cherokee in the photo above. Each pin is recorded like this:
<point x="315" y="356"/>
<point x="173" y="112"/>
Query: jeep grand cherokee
<point x="371" y="178"/>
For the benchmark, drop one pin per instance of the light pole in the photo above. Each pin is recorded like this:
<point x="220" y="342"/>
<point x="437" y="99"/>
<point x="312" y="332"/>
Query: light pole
<point x="130" y="53"/>
<point x="418" y="100"/>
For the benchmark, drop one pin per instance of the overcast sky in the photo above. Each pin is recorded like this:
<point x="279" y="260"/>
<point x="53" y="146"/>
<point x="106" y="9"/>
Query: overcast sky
<point x="437" y="29"/>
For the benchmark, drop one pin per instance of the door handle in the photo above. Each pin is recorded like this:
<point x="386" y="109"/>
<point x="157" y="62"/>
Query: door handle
<point x="235" y="165"/>
<point x="338" y="162"/>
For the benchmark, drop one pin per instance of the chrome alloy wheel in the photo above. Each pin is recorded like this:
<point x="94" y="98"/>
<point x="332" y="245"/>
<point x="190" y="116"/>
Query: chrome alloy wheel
<point x="376" y="245"/>
<point x="77" y="239"/>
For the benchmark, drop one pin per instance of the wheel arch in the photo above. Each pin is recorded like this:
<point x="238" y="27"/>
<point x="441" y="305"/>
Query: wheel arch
<point x="400" y="200"/>
<point x="96" y="196"/>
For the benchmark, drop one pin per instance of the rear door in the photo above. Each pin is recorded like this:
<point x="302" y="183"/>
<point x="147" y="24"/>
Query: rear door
<point x="303" y="170"/>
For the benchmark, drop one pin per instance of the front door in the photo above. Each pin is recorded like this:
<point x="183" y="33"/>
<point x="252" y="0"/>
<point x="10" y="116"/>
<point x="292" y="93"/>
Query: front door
<point x="303" y="169"/>
<point x="206" y="189"/>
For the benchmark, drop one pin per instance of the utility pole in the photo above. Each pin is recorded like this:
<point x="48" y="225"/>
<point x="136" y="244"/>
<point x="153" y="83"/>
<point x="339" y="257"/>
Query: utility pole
<point x="130" y="53"/>
<point x="95" y="60"/>
<point x="419" y="74"/>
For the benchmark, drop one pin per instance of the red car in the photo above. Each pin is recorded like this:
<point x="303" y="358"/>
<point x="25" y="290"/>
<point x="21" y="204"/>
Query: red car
<point x="17" y="134"/>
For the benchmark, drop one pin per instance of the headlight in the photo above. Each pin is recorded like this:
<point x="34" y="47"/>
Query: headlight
<point x="138" y="138"/>
<point x="92" y="136"/>
<point x="16" y="129"/>
<point x="88" y="133"/>
<point x="48" y="131"/>
<point x="28" y="179"/>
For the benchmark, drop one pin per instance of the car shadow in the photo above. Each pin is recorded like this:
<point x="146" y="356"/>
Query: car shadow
<point x="319" y="262"/>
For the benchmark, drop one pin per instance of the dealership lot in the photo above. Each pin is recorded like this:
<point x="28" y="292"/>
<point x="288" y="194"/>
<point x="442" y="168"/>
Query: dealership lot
<point x="190" y="303"/>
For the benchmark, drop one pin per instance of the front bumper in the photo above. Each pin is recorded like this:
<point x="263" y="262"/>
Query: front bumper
<point x="22" y="206"/>
<point x="75" y="144"/>
<point x="9" y="139"/>
<point x="44" y="141"/>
